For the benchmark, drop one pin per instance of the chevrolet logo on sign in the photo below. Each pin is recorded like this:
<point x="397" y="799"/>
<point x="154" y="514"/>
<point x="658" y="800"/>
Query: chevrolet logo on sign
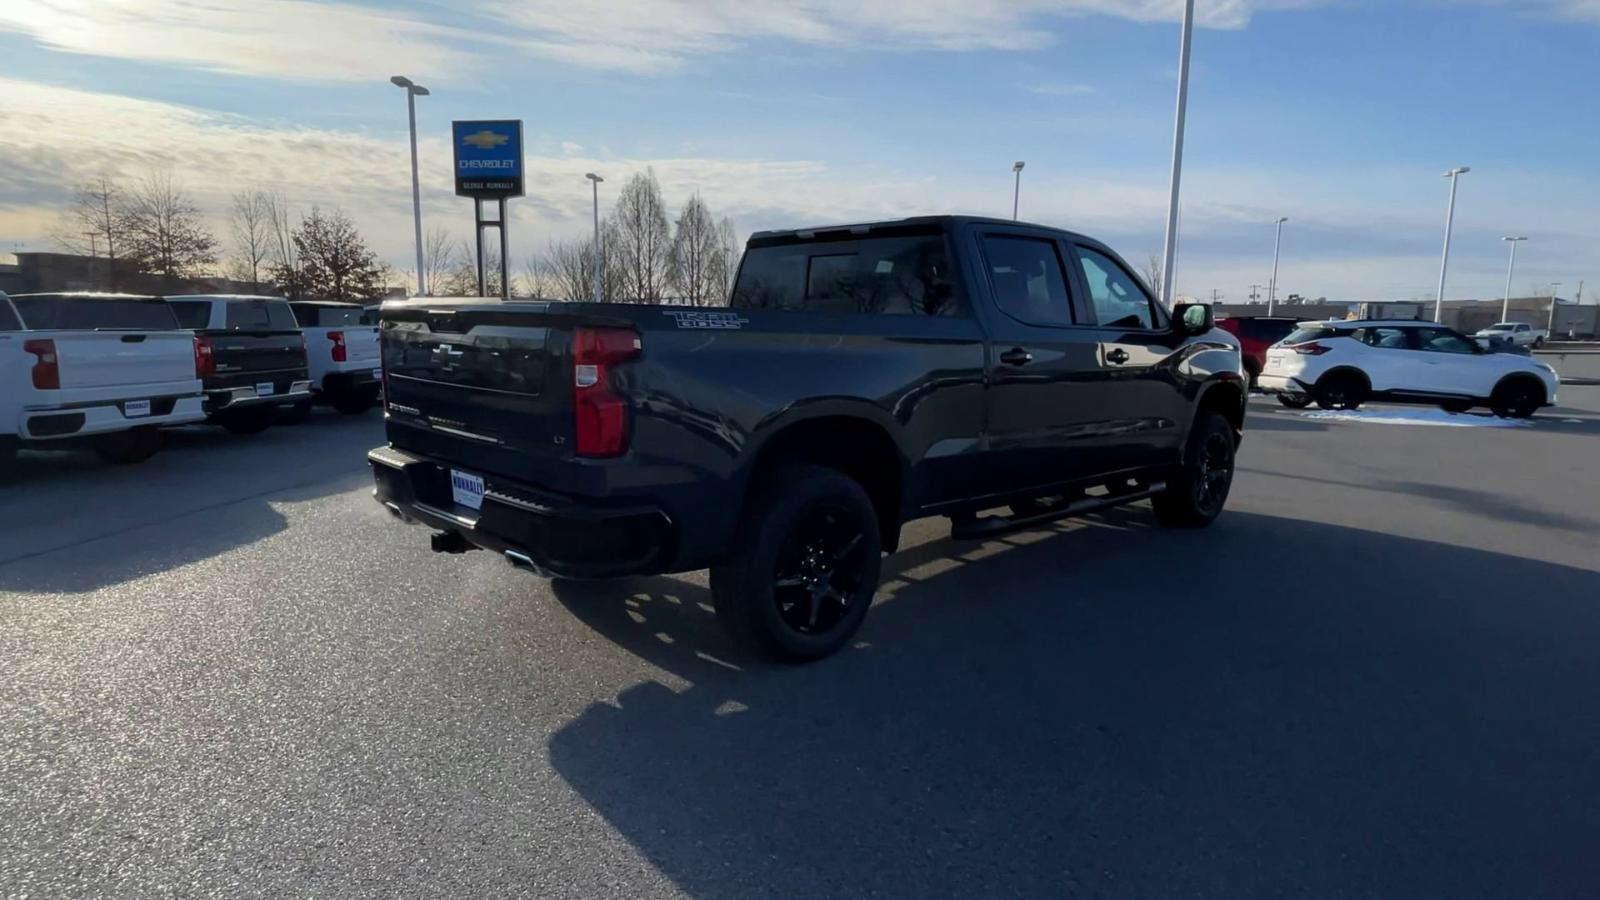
<point x="485" y="140"/>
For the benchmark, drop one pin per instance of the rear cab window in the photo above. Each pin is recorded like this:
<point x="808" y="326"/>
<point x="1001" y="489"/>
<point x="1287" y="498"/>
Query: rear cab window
<point x="66" y="313"/>
<point x="312" y="315"/>
<point x="194" y="315"/>
<point x="905" y="275"/>
<point x="260" y="315"/>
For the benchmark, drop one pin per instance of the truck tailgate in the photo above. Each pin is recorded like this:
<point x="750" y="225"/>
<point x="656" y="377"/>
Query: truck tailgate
<point x="94" y="359"/>
<point x="255" y="352"/>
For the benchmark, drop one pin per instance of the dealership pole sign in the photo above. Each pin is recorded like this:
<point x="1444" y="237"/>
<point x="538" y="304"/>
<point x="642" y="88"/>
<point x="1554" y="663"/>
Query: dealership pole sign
<point x="488" y="156"/>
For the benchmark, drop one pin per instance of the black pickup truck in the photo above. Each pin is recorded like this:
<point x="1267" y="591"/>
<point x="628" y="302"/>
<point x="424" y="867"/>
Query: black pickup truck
<point x="997" y="373"/>
<point x="251" y="358"/>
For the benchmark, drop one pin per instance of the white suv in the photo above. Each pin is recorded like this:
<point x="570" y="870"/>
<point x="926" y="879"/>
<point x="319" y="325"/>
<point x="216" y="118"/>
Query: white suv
<point x="1341" y="364"/>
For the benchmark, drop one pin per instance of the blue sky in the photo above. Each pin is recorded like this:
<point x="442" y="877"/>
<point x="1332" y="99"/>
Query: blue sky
<point x="1339" y="114"/>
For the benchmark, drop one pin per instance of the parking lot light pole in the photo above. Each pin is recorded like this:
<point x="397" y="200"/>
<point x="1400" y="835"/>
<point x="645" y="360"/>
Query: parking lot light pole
<point x="599" y="256"/>
<point x="1170" y="249"/>
<point x="1272" y="286"/>
<point x="1449" y="223"/>
<point x="1016" y="192"/>
<point x="413" y="91"/>
<point x="1505" y="306"/>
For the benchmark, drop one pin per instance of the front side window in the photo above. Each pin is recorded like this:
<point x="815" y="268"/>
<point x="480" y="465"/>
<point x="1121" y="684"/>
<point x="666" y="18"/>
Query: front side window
<point x="1119" y="299"/>
<point x="1440" y="340"/>
<point x="1029" y="284"/>
<point x="896" y="276"/>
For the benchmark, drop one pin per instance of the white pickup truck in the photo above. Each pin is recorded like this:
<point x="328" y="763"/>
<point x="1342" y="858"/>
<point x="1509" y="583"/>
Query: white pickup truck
<point x="101" y="369"/>
<point x="341" y="353"/>
<point x="1517" y="334"/>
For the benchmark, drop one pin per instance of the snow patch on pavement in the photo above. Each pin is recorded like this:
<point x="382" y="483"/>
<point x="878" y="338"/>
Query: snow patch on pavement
<point x="1437" y="417"/>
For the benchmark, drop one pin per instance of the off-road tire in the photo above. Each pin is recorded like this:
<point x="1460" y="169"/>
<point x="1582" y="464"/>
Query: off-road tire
<point x="1199" y="487"/>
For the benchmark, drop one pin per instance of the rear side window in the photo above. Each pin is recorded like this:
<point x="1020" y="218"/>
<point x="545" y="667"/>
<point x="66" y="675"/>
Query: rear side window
<point x="260" y="315"/>
<point x="192" y="314"/>
<point x="902" y="276"/>
<point x="8" y="319"/>
<point x="92" y="313"/>
<point x="1385" y="338"/>
<point x="1029" y="283"/>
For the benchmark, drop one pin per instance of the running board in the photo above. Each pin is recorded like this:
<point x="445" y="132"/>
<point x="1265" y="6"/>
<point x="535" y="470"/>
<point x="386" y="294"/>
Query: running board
<point x="975" y="528"/>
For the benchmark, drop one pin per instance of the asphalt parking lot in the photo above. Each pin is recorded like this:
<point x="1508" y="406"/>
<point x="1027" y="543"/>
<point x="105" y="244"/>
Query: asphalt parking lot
<point x="226" y="672"/>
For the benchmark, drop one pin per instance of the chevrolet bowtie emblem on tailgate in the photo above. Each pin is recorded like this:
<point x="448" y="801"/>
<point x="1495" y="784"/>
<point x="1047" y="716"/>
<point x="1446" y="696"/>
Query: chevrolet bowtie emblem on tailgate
<point x="485" y="140"/>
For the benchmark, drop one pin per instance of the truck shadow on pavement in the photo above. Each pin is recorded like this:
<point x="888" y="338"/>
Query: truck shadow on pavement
<point x="1269" y="706"/>
<point x="73" y="524"/>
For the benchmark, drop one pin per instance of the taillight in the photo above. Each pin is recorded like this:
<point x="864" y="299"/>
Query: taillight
<point x="1311" y="348"/>
<point x="338" y="345"/>
<point x="46" y="370"/>
<point x="205" y="358"/>
<point x="601" y="416"/>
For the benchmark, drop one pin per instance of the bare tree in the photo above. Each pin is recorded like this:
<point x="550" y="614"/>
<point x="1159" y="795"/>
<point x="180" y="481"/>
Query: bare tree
<point x="540" y="278"/>
<point x="95" y="223"/>
<point x="439" y="261"/>
<point x="695" y="250"/>
<point x="1153" y="273"/>
<point x="643" y="238"/>
<point x="335" y="262"/>
<point x="165" y="232"/>
<point x="727" y="267"/>
<point x="281" y="251"/>
<point x="462" y="278"/>
<point x="251" y="224"/>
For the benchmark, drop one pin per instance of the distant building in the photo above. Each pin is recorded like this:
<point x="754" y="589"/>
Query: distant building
<point x="44" y="272"/>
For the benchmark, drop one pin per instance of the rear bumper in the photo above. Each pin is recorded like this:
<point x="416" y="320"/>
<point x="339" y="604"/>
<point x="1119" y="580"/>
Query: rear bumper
<point x="532" y="526"/>
<point x="105" y="418"/>
<point x="283" y="391"/>
<point x="351" y="382"/>
<point x="1281" y="384"/>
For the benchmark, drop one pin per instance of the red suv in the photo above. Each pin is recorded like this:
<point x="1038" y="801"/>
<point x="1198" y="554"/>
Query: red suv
<point x="1256" y="334"/>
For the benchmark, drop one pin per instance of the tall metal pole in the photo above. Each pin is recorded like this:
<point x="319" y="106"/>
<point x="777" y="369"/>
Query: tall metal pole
<point x="1550" y="326"/>
<point x="599" y="251"/>
<point x="1016" y="192"/>
<point x="1449" y="224"/>
<point x="413" y="91"/>
<point x="505" y="255"/>
<point x="1170" y="252"/>
<point x="1505" y="305"/>
<point x="477" y="211"/>
<point x="1272" y="286"/>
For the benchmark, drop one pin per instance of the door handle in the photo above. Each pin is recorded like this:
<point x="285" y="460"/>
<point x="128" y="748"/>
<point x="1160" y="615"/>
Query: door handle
<point x="1016" y="356"/>
<point x="1117" y="356"/>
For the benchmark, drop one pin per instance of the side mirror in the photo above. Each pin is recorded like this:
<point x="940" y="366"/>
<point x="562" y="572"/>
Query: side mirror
<point x="1193" y="318"/>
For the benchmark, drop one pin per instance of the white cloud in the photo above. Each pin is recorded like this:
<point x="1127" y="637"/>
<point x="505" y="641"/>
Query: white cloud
<point x="294" y="40"/>
<point x="301" y="40"/>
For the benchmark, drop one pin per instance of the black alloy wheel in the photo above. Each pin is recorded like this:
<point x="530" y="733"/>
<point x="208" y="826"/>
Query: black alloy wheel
<point x="801" y="579"/>
<point x="820" y="570"/>
<point x="1199" y="487"/>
